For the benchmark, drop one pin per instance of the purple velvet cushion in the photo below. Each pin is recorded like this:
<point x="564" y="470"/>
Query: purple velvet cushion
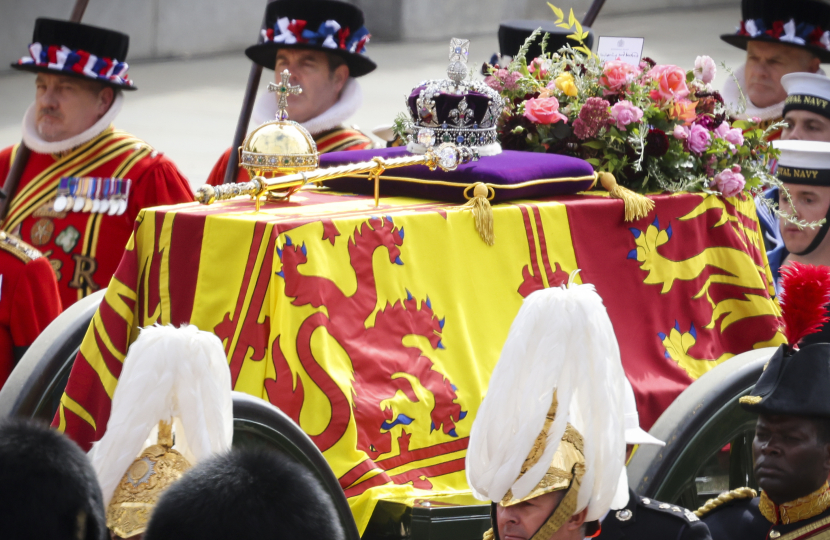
<point x="506" y="169"/>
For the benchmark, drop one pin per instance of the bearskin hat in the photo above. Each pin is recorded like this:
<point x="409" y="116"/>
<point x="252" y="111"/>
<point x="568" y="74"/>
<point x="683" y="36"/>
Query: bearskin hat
<point x="250" y="494"/>
<point x="47" y="486"/>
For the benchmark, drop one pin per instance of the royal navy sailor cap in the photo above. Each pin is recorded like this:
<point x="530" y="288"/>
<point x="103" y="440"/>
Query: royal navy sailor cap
<point x="807" y="92"/>
<point x="804" y="162"/>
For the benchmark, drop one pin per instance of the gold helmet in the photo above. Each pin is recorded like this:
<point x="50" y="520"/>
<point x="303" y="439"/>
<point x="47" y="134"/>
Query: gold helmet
<point x="176" y="379"/>
<point x="551" y="418"/>
<point x="150" y="474"/>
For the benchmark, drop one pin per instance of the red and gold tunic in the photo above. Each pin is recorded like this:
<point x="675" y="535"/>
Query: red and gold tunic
<point x="29" y="300"/>
<point x="84" y="247"/>
<point x="335" y="140"/>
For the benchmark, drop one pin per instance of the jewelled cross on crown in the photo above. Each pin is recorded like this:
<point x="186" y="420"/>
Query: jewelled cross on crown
<point x="459" y="51"/>
<point x="284" y="90"/>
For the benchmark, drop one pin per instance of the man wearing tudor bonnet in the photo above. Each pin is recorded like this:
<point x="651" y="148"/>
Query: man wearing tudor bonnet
<point x="322" y="44"/>
<point x="779" y="37"/>
<point x="84" y="182"/>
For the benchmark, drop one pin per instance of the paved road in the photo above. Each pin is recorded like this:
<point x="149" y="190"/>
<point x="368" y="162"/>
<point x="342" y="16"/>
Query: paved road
<point x="188" y="108"/>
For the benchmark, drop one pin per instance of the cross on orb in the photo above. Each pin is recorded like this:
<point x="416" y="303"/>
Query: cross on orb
<point x="284" y="90"/>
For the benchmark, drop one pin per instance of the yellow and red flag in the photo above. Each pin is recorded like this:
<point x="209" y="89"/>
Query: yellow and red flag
<point x="377" y="329"/>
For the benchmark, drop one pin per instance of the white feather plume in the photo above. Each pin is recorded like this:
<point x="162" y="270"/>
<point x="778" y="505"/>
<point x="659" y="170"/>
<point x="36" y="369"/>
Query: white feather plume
<point x="169" y="372"/>
<point x="562" y="340"/>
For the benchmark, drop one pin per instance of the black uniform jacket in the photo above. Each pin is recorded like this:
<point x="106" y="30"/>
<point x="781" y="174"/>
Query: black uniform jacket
<point x="741" y="519"/>
<point x="645" y="518"/>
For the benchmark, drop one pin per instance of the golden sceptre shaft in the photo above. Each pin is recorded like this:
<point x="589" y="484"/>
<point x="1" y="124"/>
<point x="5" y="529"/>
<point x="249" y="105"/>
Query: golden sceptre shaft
<point x="446" y="157"/>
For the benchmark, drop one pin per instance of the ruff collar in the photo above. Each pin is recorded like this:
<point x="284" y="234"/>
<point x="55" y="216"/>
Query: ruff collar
<point x="732" y="96"/>
<point x="351" y="98"/>
<point x="798" y="510"/>
<point x="33" y="140"/>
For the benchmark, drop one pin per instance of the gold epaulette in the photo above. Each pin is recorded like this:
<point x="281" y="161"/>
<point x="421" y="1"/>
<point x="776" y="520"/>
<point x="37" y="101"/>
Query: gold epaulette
<point x="18" y="247"/>
<point x="711" y="504"/>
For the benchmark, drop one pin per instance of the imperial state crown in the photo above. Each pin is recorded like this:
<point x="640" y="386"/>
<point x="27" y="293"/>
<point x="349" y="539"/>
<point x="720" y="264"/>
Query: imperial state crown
<point x="456" y="110"/>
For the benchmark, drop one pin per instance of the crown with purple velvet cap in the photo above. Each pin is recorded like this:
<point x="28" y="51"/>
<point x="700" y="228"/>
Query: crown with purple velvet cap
<point x="454" y="110"/>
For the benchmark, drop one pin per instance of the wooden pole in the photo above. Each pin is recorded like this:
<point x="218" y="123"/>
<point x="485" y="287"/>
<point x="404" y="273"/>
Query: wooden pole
<point x="245" y="114"/>
<point x="23" y="151"/>
<point x="593" y="11"/>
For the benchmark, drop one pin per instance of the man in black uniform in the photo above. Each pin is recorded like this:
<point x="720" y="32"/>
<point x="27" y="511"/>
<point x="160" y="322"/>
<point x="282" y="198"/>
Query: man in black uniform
<point x="643" y="517"/>
<point x="791" y="448"/>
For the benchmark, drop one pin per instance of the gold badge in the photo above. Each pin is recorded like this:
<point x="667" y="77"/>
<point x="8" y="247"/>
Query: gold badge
<point x="42" y="231"/>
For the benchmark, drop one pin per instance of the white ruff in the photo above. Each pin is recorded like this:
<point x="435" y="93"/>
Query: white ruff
<point x="732" y="96"/>
<point x="351" y="98"/>
<point x="33" y="140"/>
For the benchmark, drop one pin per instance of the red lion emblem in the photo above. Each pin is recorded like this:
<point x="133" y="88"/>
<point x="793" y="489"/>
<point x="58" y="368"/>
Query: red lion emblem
<point x="377" y="353"/>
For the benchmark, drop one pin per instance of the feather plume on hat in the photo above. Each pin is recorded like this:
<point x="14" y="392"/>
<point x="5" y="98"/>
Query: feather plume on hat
<point x="179" y="373"/>
<point x="561" y="341"/>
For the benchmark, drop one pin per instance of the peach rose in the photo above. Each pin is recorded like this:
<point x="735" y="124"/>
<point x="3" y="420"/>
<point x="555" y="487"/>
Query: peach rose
<point x="671" y="82"/>
<point x="684" y="110"/>
<point x="544" y="111"/>
<point x="616" y="75"/>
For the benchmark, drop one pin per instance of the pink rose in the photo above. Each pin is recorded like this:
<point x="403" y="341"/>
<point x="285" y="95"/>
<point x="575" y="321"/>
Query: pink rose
<point x="731" y="135"/>
<point x="624" y="113"/>
<point x="729" y="183"/>
<point x="671" y="82"/>
<point x="681" y="132"/>
<point x="699" y="139"/>
<point x="734" y="136"/>
<point x="616" y="75"/>
<point x="544" y="111"/>
<point x="705" y="69"/>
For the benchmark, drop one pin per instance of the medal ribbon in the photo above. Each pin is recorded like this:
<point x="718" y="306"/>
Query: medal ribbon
<point x="110" y="145"/>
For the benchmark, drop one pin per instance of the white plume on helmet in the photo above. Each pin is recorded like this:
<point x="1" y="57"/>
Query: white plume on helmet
<point x="169" y="372"/>
<point x="561" y="340"/>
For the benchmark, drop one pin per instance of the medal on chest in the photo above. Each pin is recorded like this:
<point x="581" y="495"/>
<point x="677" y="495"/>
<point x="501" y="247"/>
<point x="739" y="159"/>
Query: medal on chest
<point x="93" y="195"/>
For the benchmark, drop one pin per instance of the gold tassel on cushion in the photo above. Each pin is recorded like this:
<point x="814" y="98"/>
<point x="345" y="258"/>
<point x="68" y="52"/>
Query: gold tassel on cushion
<point x="636" y="206"/>
<point x="482" y="212"/>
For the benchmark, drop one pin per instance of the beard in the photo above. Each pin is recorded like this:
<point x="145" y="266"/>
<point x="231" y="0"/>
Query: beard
<point x="49" y="121"/>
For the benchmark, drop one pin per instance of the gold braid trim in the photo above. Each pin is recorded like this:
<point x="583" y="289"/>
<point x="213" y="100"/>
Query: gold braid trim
<point x="711" y="504"/>
<point x="488" y="534"/>
<point x="798" y="510"/>
<point x="564" y="511"/>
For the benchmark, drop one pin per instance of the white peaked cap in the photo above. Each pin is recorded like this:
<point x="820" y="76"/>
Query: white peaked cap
<point x="807" y="84"/>
<point x="633" y="433"/>
<point x="803" y="154"/>
<point x="169" y="372"/>
<point x="561" y="340"/>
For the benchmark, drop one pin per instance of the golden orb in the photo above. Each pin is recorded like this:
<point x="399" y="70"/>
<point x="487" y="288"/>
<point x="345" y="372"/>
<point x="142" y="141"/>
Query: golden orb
<point x="279" y="147"/>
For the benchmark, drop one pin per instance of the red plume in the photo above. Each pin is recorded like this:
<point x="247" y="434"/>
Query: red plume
<point x="805" y="291"/>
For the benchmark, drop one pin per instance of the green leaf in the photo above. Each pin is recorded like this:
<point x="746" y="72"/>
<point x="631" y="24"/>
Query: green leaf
<point x="578" y="27"/>
<point x="593" y="161"/>
<point x="571" y="18"/>
<point x="596" y="145"/>
<point x="741" y="124"/>
<point x="584" y="50"/>
<point x="565" y="26"/>
<point x="690" y="76"/>
<point x="574" y="37"/>
<point x="557" y="11"/>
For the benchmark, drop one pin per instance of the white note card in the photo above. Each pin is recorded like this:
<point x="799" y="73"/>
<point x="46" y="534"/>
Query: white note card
<point x="627" y="49"/>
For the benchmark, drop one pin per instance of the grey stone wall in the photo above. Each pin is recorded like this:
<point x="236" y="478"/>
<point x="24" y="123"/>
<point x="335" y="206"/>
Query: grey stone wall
<point x="176" y="28"/>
